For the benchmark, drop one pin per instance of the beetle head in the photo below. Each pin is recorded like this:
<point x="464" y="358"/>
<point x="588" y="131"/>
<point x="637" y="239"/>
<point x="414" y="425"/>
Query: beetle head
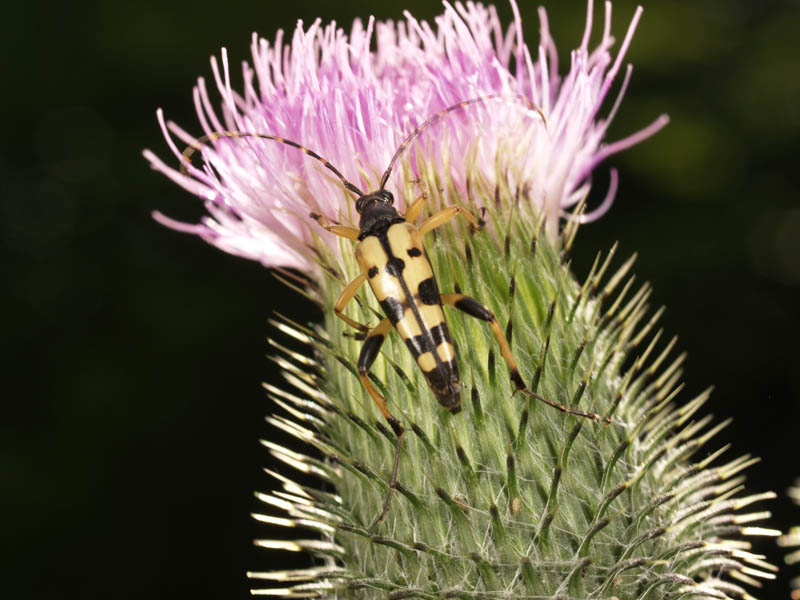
<point x="381" y="197"/>
<point x="376" y="210"/>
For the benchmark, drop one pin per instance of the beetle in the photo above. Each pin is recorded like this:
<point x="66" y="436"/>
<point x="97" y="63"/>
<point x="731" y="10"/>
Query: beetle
<point x="394" y="263"/>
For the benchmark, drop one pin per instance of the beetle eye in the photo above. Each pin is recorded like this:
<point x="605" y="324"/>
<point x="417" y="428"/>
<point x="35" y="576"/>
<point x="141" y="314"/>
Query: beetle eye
<point x="360" y="204"/>
<point x="387" y="197"/>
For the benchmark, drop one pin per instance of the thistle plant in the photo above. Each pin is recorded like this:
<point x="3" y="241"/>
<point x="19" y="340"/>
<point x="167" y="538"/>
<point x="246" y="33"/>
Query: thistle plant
<point x="510" y="498"/>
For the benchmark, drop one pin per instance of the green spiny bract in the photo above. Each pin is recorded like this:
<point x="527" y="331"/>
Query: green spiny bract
<point x="512" y="498"/>
<point x="792" y="540"/>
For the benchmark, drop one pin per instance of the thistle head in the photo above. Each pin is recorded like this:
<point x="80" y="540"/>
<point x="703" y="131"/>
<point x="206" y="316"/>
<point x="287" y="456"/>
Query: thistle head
<point x="510" y="498"/>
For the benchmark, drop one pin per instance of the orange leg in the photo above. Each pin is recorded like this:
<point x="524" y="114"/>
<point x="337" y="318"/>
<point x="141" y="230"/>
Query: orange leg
<point x="444" y="215"/>
<point x="351" y="233"/>
<point x="344" y="299"/>
<point x="412" y="212"/>
<point x="369" y="353"/>
<point x="351" y="288"/>
<point x="475" y="309"/>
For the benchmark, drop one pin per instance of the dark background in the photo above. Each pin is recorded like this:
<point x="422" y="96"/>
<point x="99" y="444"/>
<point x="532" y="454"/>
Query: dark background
<point x="132" y="400"/>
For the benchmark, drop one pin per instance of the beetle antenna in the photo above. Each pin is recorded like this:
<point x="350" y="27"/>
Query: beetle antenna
<point x="449" y="109"/>
<point x="216" y="135"/>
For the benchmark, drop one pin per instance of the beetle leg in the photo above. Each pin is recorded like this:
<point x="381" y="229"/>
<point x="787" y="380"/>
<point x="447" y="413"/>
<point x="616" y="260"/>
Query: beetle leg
<point x="369" y="352"/>
<point x="344" y="299"/>
<point x="444" y="215"/>
<point x="412" y="212"/>
<point x="351" y="233"/>
<point x="475" y="309"/>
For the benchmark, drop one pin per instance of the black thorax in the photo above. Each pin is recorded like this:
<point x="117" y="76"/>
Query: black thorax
<point x="376" y="217"/>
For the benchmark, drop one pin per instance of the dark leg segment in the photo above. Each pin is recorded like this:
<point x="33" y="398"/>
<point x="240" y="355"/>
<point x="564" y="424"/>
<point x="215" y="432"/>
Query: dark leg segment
<point x="475" y="309"/>
<point x="369" y="352"/>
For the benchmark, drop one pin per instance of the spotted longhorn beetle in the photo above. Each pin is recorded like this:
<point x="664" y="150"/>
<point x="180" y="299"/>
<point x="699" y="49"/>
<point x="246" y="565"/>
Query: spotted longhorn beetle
<point x="394" y="262"/>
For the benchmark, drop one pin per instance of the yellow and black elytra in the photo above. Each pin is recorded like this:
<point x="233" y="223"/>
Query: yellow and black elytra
<point x="393" y="261"/>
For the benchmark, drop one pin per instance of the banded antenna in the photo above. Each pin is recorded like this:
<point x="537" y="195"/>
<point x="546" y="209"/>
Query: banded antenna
<point x="417" y="130"/>
<point x="217" y="135"/>
<point x="213" y="137"/>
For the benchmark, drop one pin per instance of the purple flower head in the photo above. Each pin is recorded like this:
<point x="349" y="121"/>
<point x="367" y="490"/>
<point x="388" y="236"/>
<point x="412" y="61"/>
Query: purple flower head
<point x="328" y="91"/>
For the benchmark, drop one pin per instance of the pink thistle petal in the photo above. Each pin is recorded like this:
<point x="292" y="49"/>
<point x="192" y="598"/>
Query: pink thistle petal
<point x="623" y="50"/>
<point x="186" y="182"/>
<point x="196" y="229"/>
<point x="627" y="142"/>
<point x="598" y="212"/>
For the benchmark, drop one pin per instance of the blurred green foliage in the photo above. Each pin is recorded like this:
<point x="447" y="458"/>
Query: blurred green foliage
<point x="134" y="354"/>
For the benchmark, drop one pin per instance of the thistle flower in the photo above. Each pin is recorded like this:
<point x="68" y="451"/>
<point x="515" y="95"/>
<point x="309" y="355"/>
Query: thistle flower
<point x="327" y="91"/>
<point x="510" y="498"/>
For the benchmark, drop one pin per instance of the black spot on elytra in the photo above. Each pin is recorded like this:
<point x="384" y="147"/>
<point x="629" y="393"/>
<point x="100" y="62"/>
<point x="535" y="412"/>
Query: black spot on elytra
<point x="420" y="344"/>
<point x="429" y="292"/>
<point x="395" y="267"/>
<point x="440" y="334"/>
<point x="393" y="308"/>
<point x="373" y="271"/>
<point x="414" y="252"/>
<point x="444" y="381"/>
